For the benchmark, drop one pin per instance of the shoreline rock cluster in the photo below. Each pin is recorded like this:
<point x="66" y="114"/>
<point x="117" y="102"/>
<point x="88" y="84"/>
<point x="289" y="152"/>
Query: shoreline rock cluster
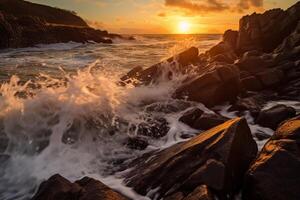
<point x="258" y="63"/>
<point x="25" y="24"/>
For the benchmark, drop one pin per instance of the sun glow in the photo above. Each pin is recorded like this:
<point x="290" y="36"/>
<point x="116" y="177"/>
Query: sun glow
<point x="184" y="27"/>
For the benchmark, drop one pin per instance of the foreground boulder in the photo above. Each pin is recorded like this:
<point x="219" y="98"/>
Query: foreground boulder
<point x="217" y="158"/>
<point x="59" y="188"/>
<point x="275" y="174"/>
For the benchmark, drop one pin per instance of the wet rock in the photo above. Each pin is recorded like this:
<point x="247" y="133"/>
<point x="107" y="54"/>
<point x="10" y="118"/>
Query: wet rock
<point x="168" y="107"/>
<point x="59" y="188"/>
<point x="136" y="143"/>
<point x="153" y="73"/>
<point x="155" y="128"/>
<point x="218" y="86"/>
<point x="275" y="174"/>
<point x="208" y="121"/>
<point x="191" y="116"/>
<point x="253" y="104"/>
<point x="197" y="119"/>
<point x="4" y="140"/>
<point x="272" y="117"/>
<point x="217" y="158"/>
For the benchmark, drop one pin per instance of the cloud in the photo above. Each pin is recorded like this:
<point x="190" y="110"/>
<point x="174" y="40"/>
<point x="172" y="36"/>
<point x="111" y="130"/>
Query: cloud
<point x="197" y="6"/>
<point x="206" y="6"/>
<point x="162" y="14"/>
<point x="246" y="4"/>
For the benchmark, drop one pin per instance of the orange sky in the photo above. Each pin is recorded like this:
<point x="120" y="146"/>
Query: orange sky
<point x="166" y="16"/>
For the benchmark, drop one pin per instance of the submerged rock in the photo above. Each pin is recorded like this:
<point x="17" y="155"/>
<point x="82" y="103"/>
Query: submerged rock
<point x="275" y="174"/>
<point x="272" y="117"/>
<point x="197" y="119"/>
<point x="59" y="188"/>
<point x="217" y="158"/>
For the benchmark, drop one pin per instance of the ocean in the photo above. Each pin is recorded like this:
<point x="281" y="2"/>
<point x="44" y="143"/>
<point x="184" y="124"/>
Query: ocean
<point x="63" y="111"/>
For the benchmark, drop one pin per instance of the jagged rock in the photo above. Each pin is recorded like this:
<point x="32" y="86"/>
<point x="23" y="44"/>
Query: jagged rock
<point x="59" y="188"/>
<point x="217" y="86"/>
<point x="266" y="31"/>
<point x="217" y="158"/>
<point x="159" y="70"/>
<point x="275" y="174"/>
<point x="231" y="37"/>
<point x="272" y="117"/>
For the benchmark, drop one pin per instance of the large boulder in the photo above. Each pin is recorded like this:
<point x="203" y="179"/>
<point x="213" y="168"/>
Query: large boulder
<point x="275" y="174"/>
<point x="272" y="117"/>
<point x="59" y="188"/>
<point x="217" y="158"/>
<point x="214" y="87"/>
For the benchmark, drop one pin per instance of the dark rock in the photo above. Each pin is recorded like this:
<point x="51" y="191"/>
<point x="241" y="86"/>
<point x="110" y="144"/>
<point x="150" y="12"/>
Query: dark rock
<point x="153" y="73"/>
<point x="266" y="31"/>
<point x="132" y="73"/>
<point x="270" y="78"/>
<point x="253" y="64"/>
<point x="191" y="116"/>
<point x="275" y="173"/>
<point x="223" y="59"/>
<point x="197" y="119"/>
<point x="220" y="85"/>
<point x="272" y="117"/>
<point x="251" y="83"/>
<point x="153" y="127"/>
<point x="231" y="37"/>
<point x="253" y="104"/>
<point x="59" y="188"/>
<point x="217" y="158"/>
<point x="208" y="121"/>
<point x="137" y="143"/>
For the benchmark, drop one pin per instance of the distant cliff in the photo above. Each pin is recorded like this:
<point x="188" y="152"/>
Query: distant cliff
<point x="24" y="24"/>
<point x="49" y="14"/>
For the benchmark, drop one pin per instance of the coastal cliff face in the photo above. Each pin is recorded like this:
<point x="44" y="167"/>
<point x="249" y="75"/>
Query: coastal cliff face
<point x="24" y="24"/>
<point x="19" y="8"/>
<point x="248" y="68"/>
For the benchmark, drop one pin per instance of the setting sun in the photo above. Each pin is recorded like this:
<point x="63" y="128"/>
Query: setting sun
<point x="184" y="27"/>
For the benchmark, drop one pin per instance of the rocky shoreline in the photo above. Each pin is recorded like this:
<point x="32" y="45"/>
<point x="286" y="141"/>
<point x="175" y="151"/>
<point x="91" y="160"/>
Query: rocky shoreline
<point x="258" y="63"/>
<point x="21" y="25"/>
